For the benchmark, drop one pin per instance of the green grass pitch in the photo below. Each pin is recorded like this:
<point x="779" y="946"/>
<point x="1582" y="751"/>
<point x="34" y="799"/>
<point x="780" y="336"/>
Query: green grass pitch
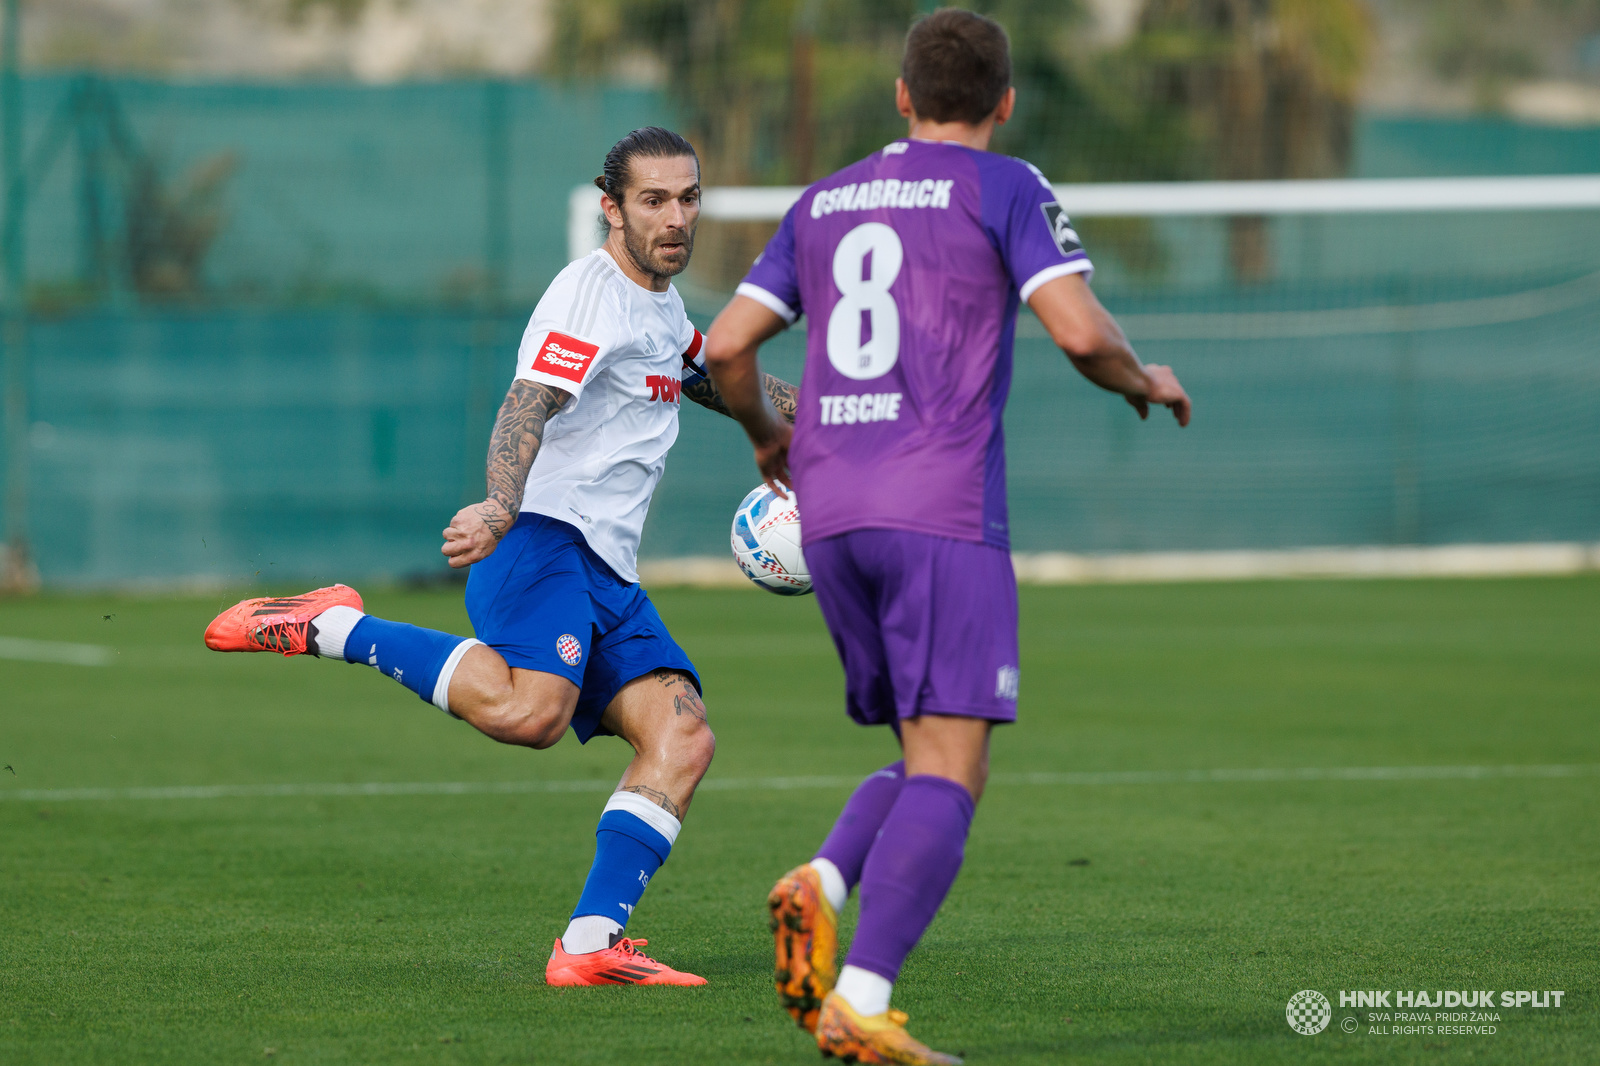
<point x="1154" y="922"/>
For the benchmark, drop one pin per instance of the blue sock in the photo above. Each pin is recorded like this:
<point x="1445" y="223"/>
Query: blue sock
<point x="413" y="656"/>
<point x="634" y="838"/>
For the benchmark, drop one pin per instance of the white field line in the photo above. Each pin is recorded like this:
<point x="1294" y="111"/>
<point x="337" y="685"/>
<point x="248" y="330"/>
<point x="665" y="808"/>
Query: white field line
<point x="54" y="651"/>
<point x="782" y="784"/>
<point x="1444" y="560"/>
<point x="1068" y="568"/>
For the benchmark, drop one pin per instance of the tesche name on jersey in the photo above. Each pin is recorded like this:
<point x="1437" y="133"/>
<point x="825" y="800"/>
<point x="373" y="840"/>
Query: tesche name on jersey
<point x="882" y="192"/>
<point x="870" y="407"/>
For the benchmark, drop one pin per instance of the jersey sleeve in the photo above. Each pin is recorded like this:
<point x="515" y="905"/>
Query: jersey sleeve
<point x="772" y="280"/>
<point x="572" y="332"/>
<point x="694" y="354"/>
<point x="1034" y="235"/>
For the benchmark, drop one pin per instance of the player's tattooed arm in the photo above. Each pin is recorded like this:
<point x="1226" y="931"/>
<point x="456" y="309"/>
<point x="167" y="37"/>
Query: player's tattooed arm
<point x="660" y="799"/>
<point x="513" y="445"/>
<point x="782" y="394"/>
<point x="518" y="434"/>
<point x="702" y="392"/>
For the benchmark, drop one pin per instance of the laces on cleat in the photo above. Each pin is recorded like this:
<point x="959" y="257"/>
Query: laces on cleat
<point x="277" y="636"/>
<point x="632" y="946"/>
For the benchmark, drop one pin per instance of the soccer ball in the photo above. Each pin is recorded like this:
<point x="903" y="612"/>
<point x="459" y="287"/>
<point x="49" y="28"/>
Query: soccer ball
<point x="766" y="542"/>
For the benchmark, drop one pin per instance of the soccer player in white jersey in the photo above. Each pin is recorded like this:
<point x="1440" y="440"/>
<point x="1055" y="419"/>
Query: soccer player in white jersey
<point x="565" y="634"/>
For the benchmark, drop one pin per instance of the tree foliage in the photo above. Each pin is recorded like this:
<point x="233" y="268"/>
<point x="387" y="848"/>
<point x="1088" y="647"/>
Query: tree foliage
<point x="728" y="65"/>
<point x="1226" y="88"/>
<point x="1266" y="87"/>
<point x="786" y="90"/>
<point x="1492" y="44"/>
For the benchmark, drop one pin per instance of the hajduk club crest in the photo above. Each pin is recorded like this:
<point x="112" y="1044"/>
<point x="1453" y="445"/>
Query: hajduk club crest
<point x="569" y="649"/>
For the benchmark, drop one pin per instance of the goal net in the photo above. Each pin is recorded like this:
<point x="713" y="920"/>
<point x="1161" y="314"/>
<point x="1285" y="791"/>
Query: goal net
<point x="1373" y="362"/>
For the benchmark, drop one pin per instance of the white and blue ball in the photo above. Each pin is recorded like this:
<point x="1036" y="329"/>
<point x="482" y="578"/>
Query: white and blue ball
<point x="766" y="542"/>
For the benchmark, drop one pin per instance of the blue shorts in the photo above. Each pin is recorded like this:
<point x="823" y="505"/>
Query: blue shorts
<point x="923" y="624"/>
<point x="545" y="601"/>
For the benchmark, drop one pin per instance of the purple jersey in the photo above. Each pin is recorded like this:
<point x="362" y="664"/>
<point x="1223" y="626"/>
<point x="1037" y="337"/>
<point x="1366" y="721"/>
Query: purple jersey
<point x="910" y="265"/>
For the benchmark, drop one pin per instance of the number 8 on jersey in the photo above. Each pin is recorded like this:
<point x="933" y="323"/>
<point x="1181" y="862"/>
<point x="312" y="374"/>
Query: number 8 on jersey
<point x="864" y="328"/>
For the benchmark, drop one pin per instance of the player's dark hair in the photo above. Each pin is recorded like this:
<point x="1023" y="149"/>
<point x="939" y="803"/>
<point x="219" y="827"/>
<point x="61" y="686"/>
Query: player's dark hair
<point x="650" y="142"/>
<point x="957" y="66"/>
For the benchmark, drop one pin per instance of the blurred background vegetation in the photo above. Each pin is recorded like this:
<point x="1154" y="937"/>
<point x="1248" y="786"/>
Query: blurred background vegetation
<point x="784" y="91"/>
<point x="327" y="220"/>
<point x="1142" y="69"/>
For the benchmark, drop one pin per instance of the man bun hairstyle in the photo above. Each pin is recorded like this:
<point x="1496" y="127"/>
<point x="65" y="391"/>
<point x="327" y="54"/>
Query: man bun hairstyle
<point x="957" y="66"/>
<point x="650" y="142"/>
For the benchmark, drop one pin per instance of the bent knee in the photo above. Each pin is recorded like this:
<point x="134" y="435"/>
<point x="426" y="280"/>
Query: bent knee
<point x="701" y="748"/>
<point x="527" y="723"/>
<point x="692" y="745"/>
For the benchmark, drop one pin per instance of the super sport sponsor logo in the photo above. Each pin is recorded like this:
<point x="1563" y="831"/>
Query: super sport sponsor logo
<point x="864" y="407"/>
<point x="883" y="192"/>
<point x="565" y="357"/>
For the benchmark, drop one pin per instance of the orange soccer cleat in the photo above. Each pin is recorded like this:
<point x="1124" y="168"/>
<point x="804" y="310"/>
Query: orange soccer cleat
<point x="805" y="933"/>
<point x="882" y="1038"/>
<point x="275" y="623"/>
<point x="621" y="964"/>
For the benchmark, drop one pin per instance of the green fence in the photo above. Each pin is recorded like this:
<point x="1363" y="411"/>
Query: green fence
<point x="326" y="444"/>
<point x="316" y="403"/>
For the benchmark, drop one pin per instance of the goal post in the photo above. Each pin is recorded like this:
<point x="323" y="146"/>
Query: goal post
<point x="1194" y="198"/>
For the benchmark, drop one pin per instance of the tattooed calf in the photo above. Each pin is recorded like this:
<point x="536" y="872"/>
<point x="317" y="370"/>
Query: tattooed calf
<point x="660" y="799"/>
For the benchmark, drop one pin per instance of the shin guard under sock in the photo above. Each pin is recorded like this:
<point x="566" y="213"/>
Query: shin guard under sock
<point x="909" y="871"/>
<point x="423" y="660"/>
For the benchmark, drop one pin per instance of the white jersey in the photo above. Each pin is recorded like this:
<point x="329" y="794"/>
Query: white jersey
<point x="620" y="350"/>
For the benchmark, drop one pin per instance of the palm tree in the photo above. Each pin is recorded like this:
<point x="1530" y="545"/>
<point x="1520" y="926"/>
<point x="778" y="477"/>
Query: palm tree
<point x="768" y="90"/>
<point x="1268" y="88"/>
<point x="785" y="90"/>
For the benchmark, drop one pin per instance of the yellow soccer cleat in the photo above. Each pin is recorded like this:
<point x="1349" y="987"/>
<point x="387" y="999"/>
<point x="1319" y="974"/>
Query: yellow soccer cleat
<point x="805" y="932"/>
<point x="843" y="1034"/>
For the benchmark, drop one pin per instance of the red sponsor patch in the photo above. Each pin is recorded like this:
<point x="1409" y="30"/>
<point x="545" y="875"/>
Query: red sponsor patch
<point x="666" y="389"/>
<point x="565" y="357"/>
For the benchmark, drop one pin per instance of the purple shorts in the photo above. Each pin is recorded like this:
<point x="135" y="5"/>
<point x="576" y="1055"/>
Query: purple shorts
<point x="923" y="624"/>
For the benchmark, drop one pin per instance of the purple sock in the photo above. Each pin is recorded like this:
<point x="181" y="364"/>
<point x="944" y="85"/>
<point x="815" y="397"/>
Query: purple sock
<point x="852" y="835"/>
<point x="909" y="871"/>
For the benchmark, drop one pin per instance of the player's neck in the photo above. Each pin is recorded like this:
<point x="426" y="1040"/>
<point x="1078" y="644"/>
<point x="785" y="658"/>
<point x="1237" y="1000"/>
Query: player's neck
<point x="975" y="137"/>
<point x="630" y="270"/>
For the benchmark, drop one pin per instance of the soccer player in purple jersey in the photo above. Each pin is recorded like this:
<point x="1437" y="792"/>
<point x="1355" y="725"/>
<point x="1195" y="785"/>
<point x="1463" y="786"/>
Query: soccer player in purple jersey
<point x="911" y="265"/>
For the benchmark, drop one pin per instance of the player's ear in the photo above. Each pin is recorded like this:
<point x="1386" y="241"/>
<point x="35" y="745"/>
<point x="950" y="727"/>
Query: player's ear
<point x="902" y="100"/>
<point x="612" y="212"/>
<point x="1008" y="104"/>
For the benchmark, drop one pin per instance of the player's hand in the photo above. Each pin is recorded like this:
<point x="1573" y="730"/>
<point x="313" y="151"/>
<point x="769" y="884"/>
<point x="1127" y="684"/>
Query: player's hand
<point x="772" y="456"/>
<point x="1164" y="391"/>
<point x="473" y="533"/>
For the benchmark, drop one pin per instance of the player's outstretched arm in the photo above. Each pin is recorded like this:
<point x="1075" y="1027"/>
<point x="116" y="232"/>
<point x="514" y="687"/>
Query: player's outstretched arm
<point x="1096" y="345"/>
<point x="518" y="433"/>
<point x="783" y="395"/>
<point x="731" y="358"/>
